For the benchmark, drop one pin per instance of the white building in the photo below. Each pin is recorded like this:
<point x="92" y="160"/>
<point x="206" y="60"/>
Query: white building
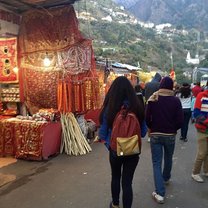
<point x="190" y="60"/>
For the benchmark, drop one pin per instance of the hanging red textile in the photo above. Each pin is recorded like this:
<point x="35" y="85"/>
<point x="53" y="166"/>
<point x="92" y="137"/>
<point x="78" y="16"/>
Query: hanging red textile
<point x="41" y="32"/>
<point x="48" y="30"/>
<point x="8" y="60"/>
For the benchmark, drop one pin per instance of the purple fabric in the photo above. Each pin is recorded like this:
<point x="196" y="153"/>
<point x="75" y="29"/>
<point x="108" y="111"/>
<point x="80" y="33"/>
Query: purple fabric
<point x="164" y="115"/>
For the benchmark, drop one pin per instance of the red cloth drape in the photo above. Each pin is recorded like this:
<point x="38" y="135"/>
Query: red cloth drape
<point x="53" y="32"/>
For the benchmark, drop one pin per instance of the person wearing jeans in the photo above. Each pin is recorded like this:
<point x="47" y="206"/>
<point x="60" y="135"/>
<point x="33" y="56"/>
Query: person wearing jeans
<point x="164" y="116"/>
<point x="185" y="96"/>
<point x="161" y="175"/>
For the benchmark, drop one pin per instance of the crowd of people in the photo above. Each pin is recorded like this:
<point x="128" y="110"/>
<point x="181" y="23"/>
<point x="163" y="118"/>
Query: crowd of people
<point x="161" y="109"/>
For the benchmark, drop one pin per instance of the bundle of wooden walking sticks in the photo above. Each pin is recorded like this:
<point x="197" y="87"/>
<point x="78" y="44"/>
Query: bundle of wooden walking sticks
<point x="73" y="140"/>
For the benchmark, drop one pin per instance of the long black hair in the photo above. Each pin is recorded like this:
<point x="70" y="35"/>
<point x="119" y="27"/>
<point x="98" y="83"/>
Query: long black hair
<point x="121" y="90"/>
<point x="185" y="90"/>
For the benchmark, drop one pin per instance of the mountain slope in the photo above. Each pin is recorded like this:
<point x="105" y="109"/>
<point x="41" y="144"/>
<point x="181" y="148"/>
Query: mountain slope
<point x="119" y="37"/>
<point x="189" y="13"/>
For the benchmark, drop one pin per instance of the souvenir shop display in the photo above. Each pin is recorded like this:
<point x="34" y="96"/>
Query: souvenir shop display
<point x="56" y="81"/>
<point x="9" y="79"/>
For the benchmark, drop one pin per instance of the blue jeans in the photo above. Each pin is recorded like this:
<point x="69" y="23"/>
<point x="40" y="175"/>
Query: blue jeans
<point x="160" y="144"/>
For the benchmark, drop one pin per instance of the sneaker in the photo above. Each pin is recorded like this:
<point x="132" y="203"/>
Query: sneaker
<point x="197" y="178"/>
<point x="159" y="199"/>
<point x="113" y="206"/>
<point x="185" y="140"/>
<point x="148" y="140"/>
<point x="181" y="138"/>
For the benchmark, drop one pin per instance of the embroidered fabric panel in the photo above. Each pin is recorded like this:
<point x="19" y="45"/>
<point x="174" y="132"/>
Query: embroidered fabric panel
<point x="7" y="142"/>
<point x="40" y="89"/>
<point x="29" y="140"/>
<point x="21" y="139"/>
<point x="76" y="59"/>
<point x="42" y="30"/>
<point x="8" y="60"/>
<point x="35" y="61"/>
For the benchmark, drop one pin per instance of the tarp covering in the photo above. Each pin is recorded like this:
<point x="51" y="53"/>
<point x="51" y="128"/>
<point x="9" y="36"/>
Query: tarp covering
<point x="126" y="66"/>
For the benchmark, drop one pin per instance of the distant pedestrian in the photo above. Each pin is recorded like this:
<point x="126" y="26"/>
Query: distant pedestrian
<point x="201" y="116"/>
<point x="139" y="93"/>
<point x="120" y="93"/>
<point x="152" y="87"/>
<point x="164" y="116"/>
<point x="185" y="95"/>
<point x="176" y="89"/>
<point x="195" y="91"/>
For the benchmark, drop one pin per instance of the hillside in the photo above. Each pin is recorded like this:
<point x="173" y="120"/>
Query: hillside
<point x="119" y="36"/>
<point x="189" y="13"/>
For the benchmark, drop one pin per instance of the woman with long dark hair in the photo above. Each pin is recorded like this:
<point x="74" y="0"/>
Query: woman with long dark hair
<point x="120" y="93"/>
<point x="185" y="97"/>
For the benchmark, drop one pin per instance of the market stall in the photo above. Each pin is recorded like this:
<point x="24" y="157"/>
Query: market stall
<point x="56" y="72"/>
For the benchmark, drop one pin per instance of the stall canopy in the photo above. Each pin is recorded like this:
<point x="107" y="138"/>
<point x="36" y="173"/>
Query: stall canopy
<point x="126" y="66"/>
<point x="20" y="6"/>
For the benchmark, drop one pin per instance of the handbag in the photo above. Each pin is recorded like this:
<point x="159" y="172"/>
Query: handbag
<point x="127" y="146"/>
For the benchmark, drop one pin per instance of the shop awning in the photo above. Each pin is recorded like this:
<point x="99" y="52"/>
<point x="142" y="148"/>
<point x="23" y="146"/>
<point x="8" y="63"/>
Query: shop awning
<point x="203" y="70"/>
<point x="20" y="6"/>
<point x="126" y="66"/>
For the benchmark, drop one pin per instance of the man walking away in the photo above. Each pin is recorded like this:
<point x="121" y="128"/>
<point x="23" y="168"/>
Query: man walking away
<point x="164" y="116"/>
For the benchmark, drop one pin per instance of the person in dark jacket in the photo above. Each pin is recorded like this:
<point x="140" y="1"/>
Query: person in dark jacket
<point x="139" y="94"/>
<point x="164" y="116"/>
<point x="152" y="86"/>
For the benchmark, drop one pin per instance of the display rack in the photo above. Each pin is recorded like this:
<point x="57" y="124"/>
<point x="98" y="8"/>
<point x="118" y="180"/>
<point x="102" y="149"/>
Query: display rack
<point x="10" y="99"/>
<point x="9" y="93"/>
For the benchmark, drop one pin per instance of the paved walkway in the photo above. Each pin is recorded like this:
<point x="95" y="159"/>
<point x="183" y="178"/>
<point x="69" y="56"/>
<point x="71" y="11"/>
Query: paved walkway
<point x="84" y="181"/>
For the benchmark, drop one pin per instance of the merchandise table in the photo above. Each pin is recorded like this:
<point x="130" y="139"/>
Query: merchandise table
<point x="31" y="140"/>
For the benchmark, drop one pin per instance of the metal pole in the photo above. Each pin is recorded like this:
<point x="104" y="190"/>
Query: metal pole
<point x="171" y="58"/>
<point x="194" y="75"/>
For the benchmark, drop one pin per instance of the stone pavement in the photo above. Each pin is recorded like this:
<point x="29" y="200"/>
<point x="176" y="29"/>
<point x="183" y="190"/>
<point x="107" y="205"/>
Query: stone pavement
<point x="84" y="181"/>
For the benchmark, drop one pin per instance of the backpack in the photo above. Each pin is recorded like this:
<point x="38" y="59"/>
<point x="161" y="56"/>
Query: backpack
<point x="126" y="134"/>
